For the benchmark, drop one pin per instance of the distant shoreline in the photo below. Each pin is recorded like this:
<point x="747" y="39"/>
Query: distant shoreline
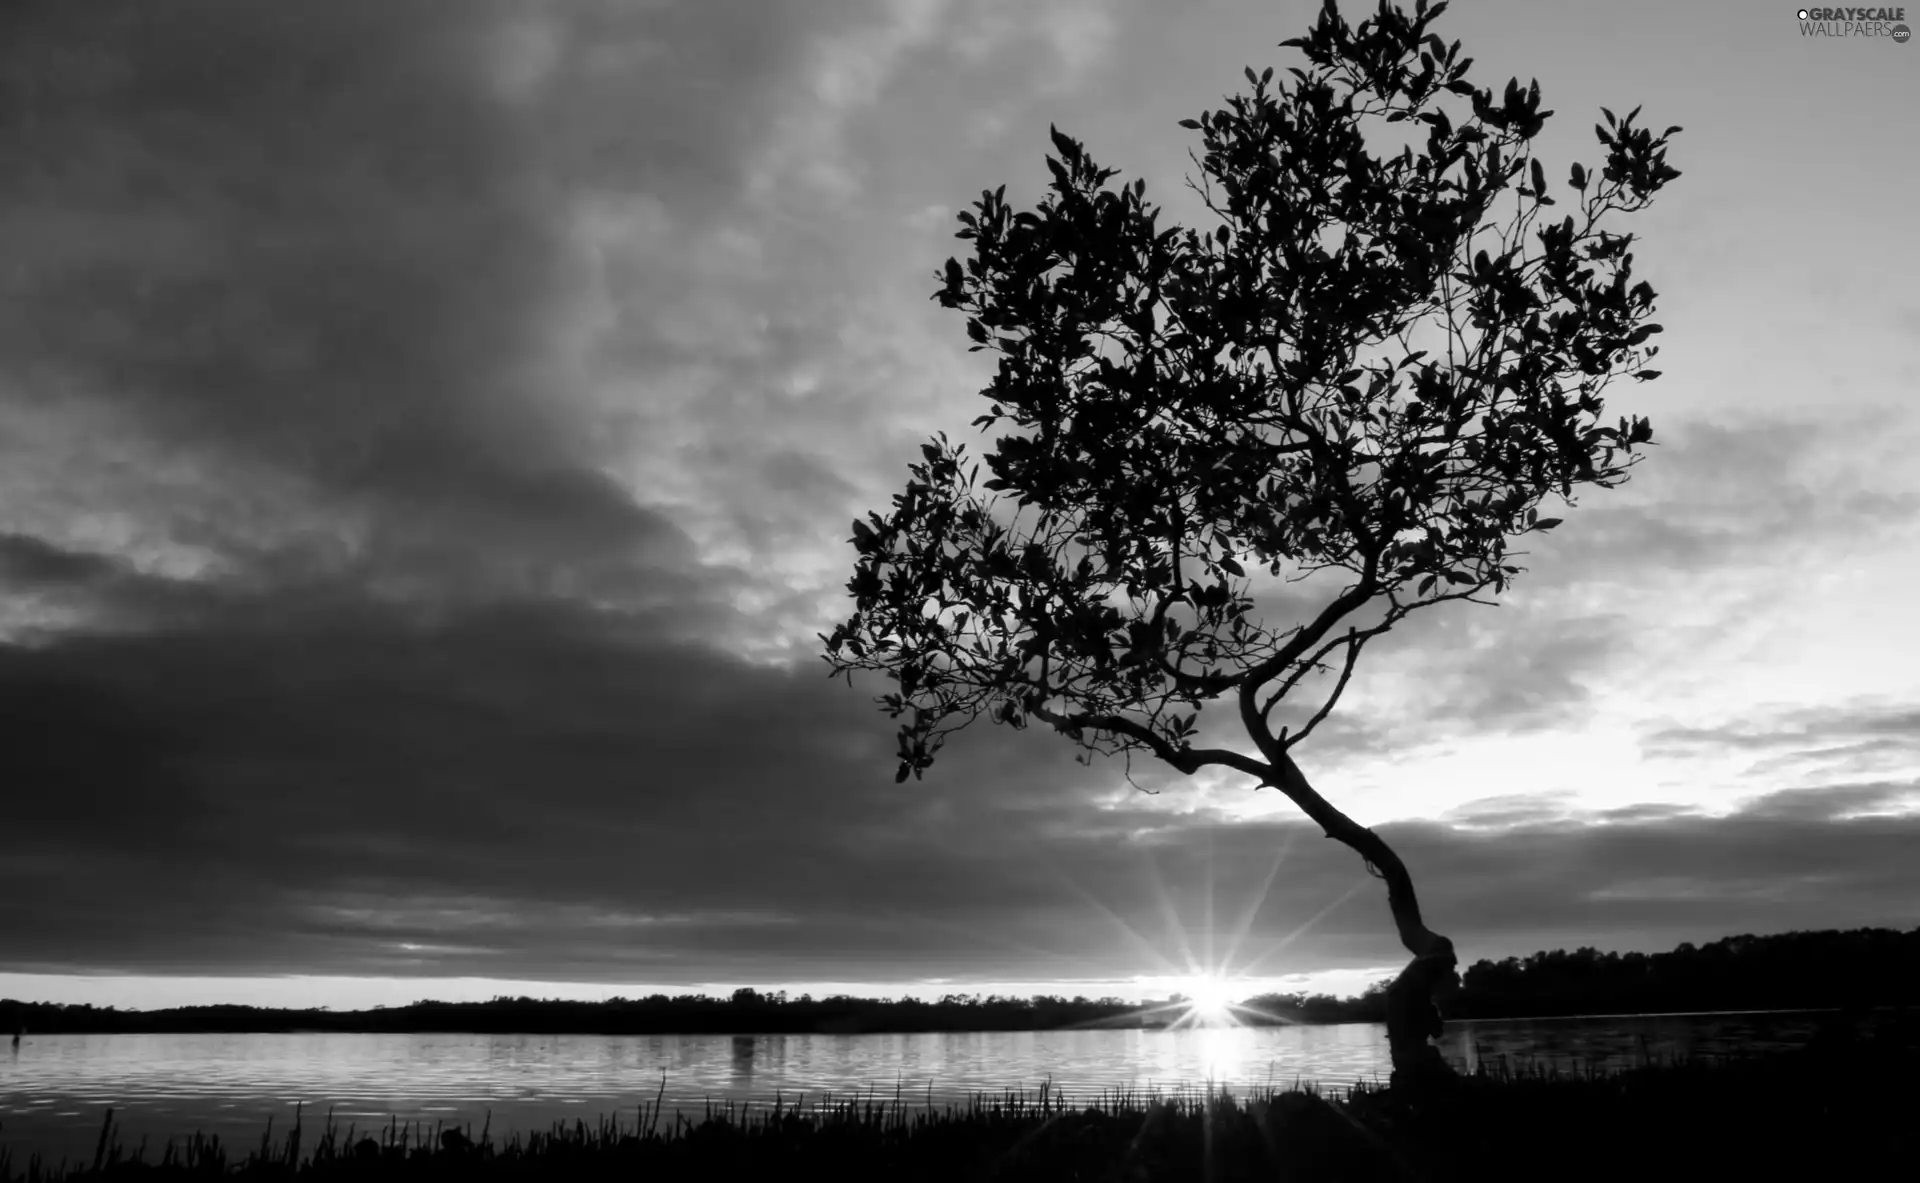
<point x="1831" y="970"/>
<point x="756" y="1033"/>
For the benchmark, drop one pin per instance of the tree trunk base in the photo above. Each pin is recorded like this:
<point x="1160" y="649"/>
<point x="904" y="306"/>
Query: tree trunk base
<point x="1430" y="1075"/>
<point x="1413" y="1019"/>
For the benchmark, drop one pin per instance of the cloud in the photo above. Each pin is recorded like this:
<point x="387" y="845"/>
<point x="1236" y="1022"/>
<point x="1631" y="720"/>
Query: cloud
<point x="1074" y="36"/>
<point x="33" y="564"/>
<point x="311" y="273"/>
<point x="542" y="789"/>
<point x="1799" y="727"/>
<point x="1828" y="744"/>
<point x="1719" y="498"/>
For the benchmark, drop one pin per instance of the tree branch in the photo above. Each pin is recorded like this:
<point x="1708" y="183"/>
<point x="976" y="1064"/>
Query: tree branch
<point x="1183" y="759"/>
<point x="1309" y="636"/>
<point x="1355" y="640"/>
<point x="1300" y="671"/>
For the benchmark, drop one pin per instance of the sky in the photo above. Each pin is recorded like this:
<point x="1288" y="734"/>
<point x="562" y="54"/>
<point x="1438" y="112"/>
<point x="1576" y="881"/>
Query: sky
<point x="429" y="433"/>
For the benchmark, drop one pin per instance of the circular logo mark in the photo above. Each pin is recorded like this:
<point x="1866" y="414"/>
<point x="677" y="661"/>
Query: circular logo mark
<point x="1900" y="34"/>
<point x="1803" y="14"/>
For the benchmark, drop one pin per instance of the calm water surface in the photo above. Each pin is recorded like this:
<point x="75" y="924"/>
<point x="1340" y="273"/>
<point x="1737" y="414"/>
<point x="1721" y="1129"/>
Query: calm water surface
<point x="54" y="1090"/>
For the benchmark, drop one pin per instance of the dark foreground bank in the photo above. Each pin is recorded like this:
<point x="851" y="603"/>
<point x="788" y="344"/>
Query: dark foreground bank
<point x="1840" y="1108"/>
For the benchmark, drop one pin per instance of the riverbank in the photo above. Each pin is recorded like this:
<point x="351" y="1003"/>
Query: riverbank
<point x="1835" y="1109"/>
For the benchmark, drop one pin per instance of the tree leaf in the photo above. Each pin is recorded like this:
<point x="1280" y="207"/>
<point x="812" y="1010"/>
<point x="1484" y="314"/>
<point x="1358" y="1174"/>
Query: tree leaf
<point x="1069" y="151"/>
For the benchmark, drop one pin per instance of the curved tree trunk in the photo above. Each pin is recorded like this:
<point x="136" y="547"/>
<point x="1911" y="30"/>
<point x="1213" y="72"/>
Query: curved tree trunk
<point x="1412" y="1017"/>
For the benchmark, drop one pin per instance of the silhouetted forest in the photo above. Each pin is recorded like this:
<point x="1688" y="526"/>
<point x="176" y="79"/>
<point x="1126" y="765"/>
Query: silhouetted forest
<point x="1858" y="968"/>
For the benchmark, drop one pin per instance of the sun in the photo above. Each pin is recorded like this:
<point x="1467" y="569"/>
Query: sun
<point x="1209" y="999"/>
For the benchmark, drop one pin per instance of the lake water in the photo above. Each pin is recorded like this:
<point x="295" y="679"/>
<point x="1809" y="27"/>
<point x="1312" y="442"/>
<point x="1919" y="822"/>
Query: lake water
<point x="54" y="1090"/>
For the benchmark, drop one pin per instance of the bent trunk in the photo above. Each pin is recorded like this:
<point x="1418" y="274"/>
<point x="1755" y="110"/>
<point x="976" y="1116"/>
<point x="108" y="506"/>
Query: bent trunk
<point x="1412" y="1017"/>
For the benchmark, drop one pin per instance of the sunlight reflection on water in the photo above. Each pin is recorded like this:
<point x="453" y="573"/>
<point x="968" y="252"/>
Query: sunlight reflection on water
<point x="53" y="1092"/>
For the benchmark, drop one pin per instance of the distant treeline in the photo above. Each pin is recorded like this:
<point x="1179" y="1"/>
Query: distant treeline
<point x="1859" y="968"/>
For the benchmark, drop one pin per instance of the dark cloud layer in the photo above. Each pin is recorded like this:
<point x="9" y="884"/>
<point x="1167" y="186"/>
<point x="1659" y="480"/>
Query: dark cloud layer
<point x="534" y="790"/>
<point x="205" y="233"/>
<point x="337" y="246"/>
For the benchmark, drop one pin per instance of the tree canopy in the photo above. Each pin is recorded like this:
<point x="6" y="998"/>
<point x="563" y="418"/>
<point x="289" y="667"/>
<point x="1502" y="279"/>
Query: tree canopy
<point x="1186" y="407"/>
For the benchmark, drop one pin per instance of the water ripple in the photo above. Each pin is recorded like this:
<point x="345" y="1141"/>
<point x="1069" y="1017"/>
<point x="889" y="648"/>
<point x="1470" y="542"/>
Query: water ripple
<point x="54" y="1091"/>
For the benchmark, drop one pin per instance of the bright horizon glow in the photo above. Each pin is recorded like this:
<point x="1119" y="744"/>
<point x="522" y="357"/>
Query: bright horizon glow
<point x="1210" y="999"/>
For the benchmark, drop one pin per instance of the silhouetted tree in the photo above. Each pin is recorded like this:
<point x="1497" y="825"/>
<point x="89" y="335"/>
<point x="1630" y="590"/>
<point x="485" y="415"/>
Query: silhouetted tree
<point x="1187" y="406"/>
